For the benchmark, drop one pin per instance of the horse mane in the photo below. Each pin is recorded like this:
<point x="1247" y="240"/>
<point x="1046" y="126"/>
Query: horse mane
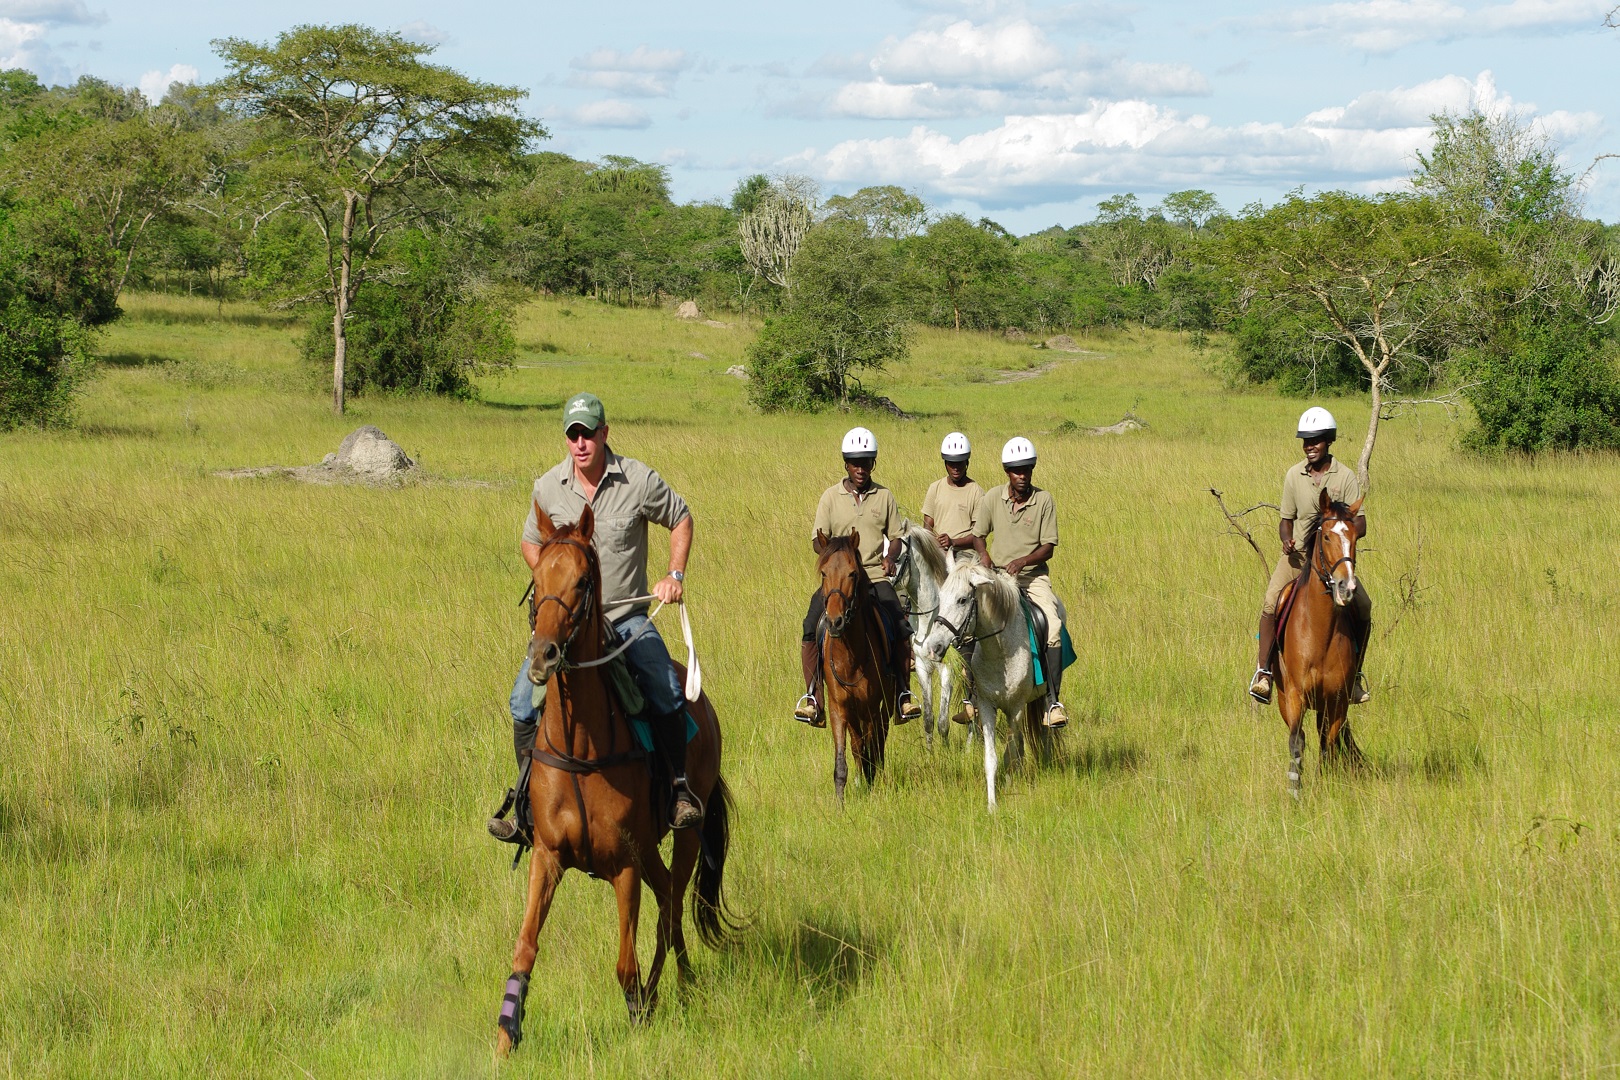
<point x="998" y="594"/>
<point x="836" y="544"/>
<point x="925" y="547"/>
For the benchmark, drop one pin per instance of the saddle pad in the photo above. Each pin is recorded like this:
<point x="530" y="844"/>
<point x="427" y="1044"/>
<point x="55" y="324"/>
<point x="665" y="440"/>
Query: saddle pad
<point x="1066" y="648"/>
<point x="642" y="727"/>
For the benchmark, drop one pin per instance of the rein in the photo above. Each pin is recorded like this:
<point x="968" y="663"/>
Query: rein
<point x="972" y="619"/>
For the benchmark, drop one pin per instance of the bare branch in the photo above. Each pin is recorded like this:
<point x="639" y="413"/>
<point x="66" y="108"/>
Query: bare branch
<point x="1235" y="522"/>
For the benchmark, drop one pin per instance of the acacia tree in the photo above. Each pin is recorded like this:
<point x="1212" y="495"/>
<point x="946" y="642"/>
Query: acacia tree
<point x="884" y="212"/>
<point x="957" y="254"/>
<point x="1378" y="277"/>
<point x="365" y="137"/>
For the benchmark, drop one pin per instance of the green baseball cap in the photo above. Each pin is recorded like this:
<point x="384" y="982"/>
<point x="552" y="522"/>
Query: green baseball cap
<point x="584" y="410"/>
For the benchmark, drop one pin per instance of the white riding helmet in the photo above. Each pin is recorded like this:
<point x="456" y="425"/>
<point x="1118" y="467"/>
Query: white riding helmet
<point x="859" y="443"/>
<point x="1018" y="453"/>
<point x="955" y="449"/>
<point x="1315" y="423"/>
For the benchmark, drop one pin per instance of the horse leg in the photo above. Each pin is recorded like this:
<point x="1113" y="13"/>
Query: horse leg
<point x="683" y="860"/>
<point x="925" y="690"/>
<point x="657" y="876"/>
<point x="627" y="884"/>
<point x="1291" y="703"/>
<point x="987" y="725"/>
<point x="840" y="762"/>
<point x="544" y="873"/>
<point x="1338" y="745"/>
<point x="945" y="681"/>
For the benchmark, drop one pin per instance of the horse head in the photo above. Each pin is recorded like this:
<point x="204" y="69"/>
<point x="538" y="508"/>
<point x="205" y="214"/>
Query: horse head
<point x="958" y="607"/>
<point x="842" y="578"/>
<point x="1335" y="558"/>
<point x="565" y="591"/>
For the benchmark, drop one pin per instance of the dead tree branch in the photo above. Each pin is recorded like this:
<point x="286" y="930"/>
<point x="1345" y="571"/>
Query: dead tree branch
<point x="1235" y="523"/>
<point x="1452" y="402"/>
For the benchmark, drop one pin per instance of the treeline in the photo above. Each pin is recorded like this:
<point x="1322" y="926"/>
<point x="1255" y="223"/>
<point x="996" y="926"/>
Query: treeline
<point x="408" y="208"/>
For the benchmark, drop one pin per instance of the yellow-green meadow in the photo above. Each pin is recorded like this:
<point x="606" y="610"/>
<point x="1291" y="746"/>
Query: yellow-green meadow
<point x="251" y="729"/>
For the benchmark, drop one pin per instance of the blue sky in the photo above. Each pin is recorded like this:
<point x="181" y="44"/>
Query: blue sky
<point x="1029" y="113"/>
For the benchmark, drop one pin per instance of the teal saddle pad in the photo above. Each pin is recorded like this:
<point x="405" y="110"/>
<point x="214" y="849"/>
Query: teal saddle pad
<point x="643" y="730"/>
<point x="624" y="687"/>
<point x="1068" y="654"/>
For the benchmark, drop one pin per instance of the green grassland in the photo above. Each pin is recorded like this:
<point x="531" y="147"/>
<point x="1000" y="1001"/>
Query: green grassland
<point x="251" y="729"/>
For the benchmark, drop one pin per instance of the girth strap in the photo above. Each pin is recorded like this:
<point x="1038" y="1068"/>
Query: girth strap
<point x="575" y="768"/>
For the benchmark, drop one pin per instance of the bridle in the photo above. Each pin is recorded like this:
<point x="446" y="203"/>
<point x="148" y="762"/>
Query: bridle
<point x="902" y="569"/>
<point x="578" y="613"/>
<point x="1323" y="570"/>
<point x="958" y="633"/>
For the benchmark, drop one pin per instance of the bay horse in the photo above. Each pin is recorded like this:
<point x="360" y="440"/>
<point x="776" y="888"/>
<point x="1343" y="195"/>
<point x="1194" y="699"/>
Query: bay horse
<point x="1316" y="654"/>
<point x="919" y="571"/>
<point x="590" y="788"/>
<point x="982" y="608"/>
<point x="855" y="669"/>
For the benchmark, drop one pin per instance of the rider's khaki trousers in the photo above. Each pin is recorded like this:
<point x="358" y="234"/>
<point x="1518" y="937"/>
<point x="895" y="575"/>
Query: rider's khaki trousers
<point x="1039" y="591"/>
<point x="1287" y="569"/>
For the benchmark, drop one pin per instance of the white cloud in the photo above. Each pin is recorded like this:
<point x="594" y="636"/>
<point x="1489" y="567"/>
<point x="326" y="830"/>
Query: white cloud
<point x="1371" y="142"/>
<point x="50" y="11"/>
<point x="642" y="72"/>
<point x="423" y="32"/>
<point x="154" y="84"/>
<point x="609" y="113"/>
<point x="963" y="69"/>
<point x="23" y="45"/>
<point x="1382" y="26"/>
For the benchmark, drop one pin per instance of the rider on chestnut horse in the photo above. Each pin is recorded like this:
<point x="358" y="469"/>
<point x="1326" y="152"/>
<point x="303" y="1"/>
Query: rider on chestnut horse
<point x="624" y="495"/>
<point x="857" y="504"/>
<point x="1301" y="496"/>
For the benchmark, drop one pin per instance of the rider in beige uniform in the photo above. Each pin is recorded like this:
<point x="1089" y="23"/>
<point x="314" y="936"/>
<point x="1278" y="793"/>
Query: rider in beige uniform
<point x="1021" y="519"/>
<point x="952" y="500"/>
<point x="858" y="505"/>
<point x="1301" y="506"/>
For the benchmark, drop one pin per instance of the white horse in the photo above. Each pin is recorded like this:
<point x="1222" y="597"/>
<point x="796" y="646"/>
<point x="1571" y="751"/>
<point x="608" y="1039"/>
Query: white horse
<point x="918" y="573"/>
<point x="981" y="609"/>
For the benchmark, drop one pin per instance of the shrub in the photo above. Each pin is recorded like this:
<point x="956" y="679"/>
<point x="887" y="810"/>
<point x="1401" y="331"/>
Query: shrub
<point x="1554" y="386"/>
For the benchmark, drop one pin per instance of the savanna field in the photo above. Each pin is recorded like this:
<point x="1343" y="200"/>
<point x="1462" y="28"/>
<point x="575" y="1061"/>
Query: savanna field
<point x="252" y="728"/>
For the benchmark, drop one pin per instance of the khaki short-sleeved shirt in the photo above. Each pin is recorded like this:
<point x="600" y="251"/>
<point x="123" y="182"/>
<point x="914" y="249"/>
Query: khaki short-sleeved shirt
<point x="1301" y="493"/>
<point x="952" y="508"/>
<point x="630" y="495"/>
<point x="872" y="514"/>
<point x="1015" y="531"/>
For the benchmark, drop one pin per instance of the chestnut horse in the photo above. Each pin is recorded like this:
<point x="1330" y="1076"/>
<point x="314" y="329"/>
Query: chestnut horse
<point x="1316" y="654"/>
<point x="590" y="789"/>
<point x="855" y="669"/>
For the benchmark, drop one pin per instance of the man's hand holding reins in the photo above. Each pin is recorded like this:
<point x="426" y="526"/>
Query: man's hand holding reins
<point x="668" y="590"/>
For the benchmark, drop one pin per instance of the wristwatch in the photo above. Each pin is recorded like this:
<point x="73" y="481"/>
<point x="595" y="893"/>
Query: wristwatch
<point x="678" y="575"/>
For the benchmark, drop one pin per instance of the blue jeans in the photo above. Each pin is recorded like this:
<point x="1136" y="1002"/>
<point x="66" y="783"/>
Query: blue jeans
<point x="650" y="666"/>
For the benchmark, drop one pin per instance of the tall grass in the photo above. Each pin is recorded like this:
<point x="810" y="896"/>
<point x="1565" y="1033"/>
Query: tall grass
<point x="251" y="730"/>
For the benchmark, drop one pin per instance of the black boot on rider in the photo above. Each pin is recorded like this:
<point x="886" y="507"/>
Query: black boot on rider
<point x="1052" y="658"/>
<point x="669" y="738"/>
<point x="502" y="828"/>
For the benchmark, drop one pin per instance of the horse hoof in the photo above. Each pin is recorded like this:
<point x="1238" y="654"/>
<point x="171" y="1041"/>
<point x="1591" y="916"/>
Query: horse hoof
<point x="503" y="1044"/>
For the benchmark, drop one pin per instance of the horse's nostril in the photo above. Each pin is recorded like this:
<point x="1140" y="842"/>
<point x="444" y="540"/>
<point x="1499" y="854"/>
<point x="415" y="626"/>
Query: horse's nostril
<point x="550" y="651"/>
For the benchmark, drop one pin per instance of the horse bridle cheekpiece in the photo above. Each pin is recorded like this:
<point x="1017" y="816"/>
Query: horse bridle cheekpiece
<point x="1319" y="555"/>
<point x="579" y="612"/>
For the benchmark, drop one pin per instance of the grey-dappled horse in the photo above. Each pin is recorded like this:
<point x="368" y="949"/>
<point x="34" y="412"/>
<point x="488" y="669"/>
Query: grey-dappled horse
<point x="982" y="607"/>
<point x="919" y="572"/>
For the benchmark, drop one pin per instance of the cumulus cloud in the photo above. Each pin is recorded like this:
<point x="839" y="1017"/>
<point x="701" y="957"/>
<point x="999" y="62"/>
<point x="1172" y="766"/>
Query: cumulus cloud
<point x="154" y="84"/>
<point x="641" y="72"/>
<point x="609" y="113"/>
<point x="966" y="69"/>
<point x="61" y="12"/>
<point x="1382" y="26"/>
<point x="1027" y="160"/>
<point x="424" y="33"/>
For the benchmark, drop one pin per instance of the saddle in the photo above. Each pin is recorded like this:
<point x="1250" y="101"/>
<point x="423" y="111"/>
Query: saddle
<point x="1036" y="619"/>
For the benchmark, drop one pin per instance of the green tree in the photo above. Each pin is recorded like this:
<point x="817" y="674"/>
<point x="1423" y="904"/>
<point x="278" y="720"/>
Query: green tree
<point x="955" y="255"/>
<point x="56" y="284"/>
<point x="886" y="212"/>
<point x="1376" y="277"/>
<point x="845" y="316"/>
<point x="366" y="138"/>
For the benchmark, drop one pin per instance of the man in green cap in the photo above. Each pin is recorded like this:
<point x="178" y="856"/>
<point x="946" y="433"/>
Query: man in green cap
<point x="624" y="495"/>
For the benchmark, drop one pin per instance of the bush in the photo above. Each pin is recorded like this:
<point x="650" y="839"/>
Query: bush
<point x="422" y="330"/>
<point x="57" y="280"/>
<point x="1554" y="387"/>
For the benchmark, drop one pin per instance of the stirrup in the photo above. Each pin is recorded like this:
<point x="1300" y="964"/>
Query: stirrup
<point x="901" y="716"/>
<point x="1261" y="692"/>
<point x="685" y="796"/>
<point x="966" y="715"/>
<point x="1056" y="715"/>
<point x="808" y="711"/>
<point x="1359" y="694"/>
<point x="506" y="831"/>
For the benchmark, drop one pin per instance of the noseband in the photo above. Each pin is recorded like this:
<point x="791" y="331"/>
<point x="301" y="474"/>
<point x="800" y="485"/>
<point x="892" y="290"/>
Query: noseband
<point x="578" y="613"/>
<point x="959" y="633"/>
<point x="1319" y="557"/>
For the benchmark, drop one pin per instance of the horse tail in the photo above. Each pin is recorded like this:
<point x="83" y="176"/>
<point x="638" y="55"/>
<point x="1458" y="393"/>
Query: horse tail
<point x="713" y="919"/>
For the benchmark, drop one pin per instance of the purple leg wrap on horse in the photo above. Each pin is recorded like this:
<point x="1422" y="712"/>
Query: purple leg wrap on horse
<point x="511" y="1021"/>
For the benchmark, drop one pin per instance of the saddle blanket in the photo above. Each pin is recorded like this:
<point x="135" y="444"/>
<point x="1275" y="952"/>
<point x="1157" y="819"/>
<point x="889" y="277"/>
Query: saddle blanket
<point x="1067" y="648"/>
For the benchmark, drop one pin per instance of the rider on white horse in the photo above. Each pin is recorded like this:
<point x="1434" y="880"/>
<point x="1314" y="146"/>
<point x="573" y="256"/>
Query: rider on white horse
<point x="948" y="511"/>
<point x="1022" y="518"/>
<point x="1301" y="501"/>
<point x="858" y="505"/>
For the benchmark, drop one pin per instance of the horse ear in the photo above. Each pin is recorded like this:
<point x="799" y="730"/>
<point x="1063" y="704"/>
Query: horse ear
<point x="587" y="523"/>
<point x="821" y="538"/>
<point x="1355" y="509"/>
<point x="1325" y="502"/>
<point x="543" y="522"/>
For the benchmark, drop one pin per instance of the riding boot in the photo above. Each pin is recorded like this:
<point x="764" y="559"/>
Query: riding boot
<point x="507" y="830"/>
<point x="669" y="737"/>
<point x="1052" y="659"/>
<point x="809" y="710"/>
<point x="908" y="709"/>
<point x="968" y="712"/>
<point x="1260" y="685"/>
<point x="1359" y="694"/>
